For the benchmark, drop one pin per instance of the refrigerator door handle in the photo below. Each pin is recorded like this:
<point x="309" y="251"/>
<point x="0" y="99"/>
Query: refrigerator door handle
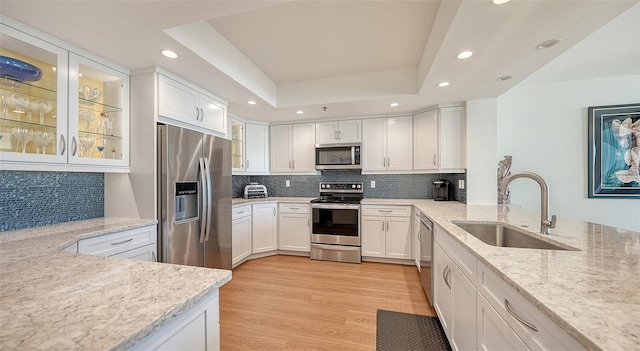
<point x="204" y="190"/>
<point x="209" y="199"/>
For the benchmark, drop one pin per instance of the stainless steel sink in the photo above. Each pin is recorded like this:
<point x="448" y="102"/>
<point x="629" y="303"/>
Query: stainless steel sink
<point x="498" y="234"/>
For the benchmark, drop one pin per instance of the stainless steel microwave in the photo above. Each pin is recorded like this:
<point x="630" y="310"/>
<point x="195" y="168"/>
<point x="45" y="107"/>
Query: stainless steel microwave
<point x="338" y="156"/>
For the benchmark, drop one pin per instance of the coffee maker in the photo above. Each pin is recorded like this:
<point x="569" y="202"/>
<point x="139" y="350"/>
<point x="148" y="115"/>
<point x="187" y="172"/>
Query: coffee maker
<point x="441" y="190"/>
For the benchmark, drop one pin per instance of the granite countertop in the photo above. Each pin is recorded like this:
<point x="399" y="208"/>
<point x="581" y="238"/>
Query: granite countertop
<point x="242" y="201"/>
<point x="593" y="294"/>
<point x="53" y="300"/>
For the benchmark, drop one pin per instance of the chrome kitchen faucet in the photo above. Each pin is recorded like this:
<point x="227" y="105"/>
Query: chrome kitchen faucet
<point x="545" y="223"/>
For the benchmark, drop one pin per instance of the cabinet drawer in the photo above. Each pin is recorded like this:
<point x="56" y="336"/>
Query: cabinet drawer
<point x="241" y="212"/>
<point x="387" y="211"/>
<point x="295" y="208"/>
<point x="112" y="244"/>
<point x="464" y="259"/>
<point x="145" y="253"/>
<point x="522" y="316"/>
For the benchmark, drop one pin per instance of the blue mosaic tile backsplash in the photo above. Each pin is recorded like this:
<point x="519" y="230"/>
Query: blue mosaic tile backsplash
<point x="31" y="199"/>
<point x="398" y="186"/>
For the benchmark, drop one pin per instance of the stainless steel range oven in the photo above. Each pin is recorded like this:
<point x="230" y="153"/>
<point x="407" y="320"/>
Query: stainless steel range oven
<point x="335" y="234"/>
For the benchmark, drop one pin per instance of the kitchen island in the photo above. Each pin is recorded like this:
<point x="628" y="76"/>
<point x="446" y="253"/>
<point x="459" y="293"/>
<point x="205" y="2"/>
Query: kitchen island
<point x="54" y="300"/>
<point x="592" y="293"/>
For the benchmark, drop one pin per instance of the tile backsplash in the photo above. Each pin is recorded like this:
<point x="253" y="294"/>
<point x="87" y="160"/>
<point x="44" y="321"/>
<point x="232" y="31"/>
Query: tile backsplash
<point x="399" y="186"/>
<point x="30" y="199"/>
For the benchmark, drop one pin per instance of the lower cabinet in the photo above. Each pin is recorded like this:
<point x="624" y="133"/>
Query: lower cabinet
<point x="294" y="227"/>
<point x="240" y="234"/>
<point x="197" y="329"/>
<point x="264" y="227"/>
<point x="386" y="232"/>
<point x="480" y="311"/>
<point x="137" y="244"/>
<point x="493" y="333"/>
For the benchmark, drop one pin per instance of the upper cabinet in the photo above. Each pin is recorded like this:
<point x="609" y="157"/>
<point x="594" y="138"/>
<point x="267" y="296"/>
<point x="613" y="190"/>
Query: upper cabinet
<point x="61" y="111"/>
<point x="236" y="134"/>
<point x="292" y="148"/>
<point x="256" y="148"/>
<point x="439" y="139"/>
<point x="337" y="132"/>
<point x="387" y="144"/>
<point x="184" y="103"/>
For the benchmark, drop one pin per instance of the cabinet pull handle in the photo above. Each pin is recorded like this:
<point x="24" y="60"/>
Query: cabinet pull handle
<point x="294" y="164"/>
<point x="274" y="211"/>
<point x="197" y="114"/>
<point x="309" y="222"/>
<point x="384" y="210"/>
<point x="290" y="164"/>
<point x="507" y="305"/>
<point x="335" y="135"/>
<point x="384" y="162"/>
<point x="383" y="226"/>
<point x="201" y="115"/>
<point x="387" y="225"/>
<point x="75" y="145"/>
<point x="247" y="163"/>
<point x="294" y="208"/>
<point x="153" y="257"/>
<point x="240" y="212"/>
<point x="339" y="135"/>
<point x="388" y="162"/>
<point x="434" y="159"/>
<point x="122" y="242"/>
<point x="64" y="144"/>
<point x="444" y="276"/>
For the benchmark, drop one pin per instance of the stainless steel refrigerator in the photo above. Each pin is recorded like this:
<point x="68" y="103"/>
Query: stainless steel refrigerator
<point x="194" y="198"/>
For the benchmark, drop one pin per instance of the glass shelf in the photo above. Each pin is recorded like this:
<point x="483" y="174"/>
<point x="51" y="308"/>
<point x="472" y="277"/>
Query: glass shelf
<point x="49" y="122"/>
<point x="98" y="107"/>
<point x="98" y="135"/>
<point x="24" y="88"/>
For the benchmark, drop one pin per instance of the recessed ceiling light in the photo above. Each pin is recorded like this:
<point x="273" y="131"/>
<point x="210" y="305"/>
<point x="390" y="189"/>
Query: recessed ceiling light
<point x="547" y="44"/>
<point x="500" y="2"/>
<point x="443" y="84"/>
<point x="394" y="104"/>
<point x="503" y="78"/>
<point x="299" y="112"/>
<point x="251" y="102"/>
<point x="169" y="54"/>
<point x="465" y="54"/>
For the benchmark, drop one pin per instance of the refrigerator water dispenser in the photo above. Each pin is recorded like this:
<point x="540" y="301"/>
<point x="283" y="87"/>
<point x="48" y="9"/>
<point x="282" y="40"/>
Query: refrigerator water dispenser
<point x="186" y="207"/>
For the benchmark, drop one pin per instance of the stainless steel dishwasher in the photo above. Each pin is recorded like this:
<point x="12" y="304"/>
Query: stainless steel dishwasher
<point x="425" y="236"/>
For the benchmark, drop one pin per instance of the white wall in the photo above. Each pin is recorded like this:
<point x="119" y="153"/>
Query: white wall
<point x="544" y="127"/>
<point x="481" y="151"/>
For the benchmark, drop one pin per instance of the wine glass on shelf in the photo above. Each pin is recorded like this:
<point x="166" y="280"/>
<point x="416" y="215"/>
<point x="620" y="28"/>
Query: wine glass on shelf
<point x="22" y="136"/>
<point x="45" y="107"/>
<point x="19" y="103"/>
<point x="4" y="99"/>
<point x="113" y="152"/>
<point x="41" y="139"/>
<point x="101" y="147"/>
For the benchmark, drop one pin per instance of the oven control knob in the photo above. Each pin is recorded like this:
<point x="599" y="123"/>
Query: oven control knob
<point x="353" y="186"/>
<point x="359" y="186"/>
<point x="328" y="186"/>
<point x="322" y="186"/>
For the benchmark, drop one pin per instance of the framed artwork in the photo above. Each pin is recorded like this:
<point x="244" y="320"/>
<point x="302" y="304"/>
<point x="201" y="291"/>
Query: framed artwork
<point x="614" y="151"/>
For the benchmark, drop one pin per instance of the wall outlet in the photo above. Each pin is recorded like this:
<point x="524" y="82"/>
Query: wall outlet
<point x="287" y="183"/>
<point x="373" y="184"/>
<point x="461" y="184"/>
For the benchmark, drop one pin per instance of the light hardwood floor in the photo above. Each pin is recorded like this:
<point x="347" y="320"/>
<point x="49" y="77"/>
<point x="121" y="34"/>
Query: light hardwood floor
<point x="294" y="303"/>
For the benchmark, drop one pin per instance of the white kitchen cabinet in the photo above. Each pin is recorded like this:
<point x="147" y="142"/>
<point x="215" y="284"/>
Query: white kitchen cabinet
<point x="292" y="148"/>
<point x="386" y="232"/>
<point x="256" y="148"/>
<point x="493" y="333"/>
<point x="264" y="228"/>
<point x="241" y="246"/>
<point x="139" y="243"/>
<point x="181" y="101"/>
<point x="531" y="326"/>
<point x="236" y="134"/>
<point x="71" y="117"/>
<point x="197" y="329"/>
<point x="387" y="144"/>
<point x="336" y="132"/>
<point x="439" y="139"/>
<point x="294" y="227"/>
<point x="442" y="288"/>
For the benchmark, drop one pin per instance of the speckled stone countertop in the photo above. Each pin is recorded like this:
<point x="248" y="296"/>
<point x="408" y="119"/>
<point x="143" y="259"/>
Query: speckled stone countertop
<point x="298" y="200"/>
<point x="53" y="300"/>
<point x="593" y="294"/>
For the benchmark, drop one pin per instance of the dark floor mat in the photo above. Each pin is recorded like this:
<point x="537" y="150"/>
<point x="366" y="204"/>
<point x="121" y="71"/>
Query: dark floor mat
<point x="397" y="331"/>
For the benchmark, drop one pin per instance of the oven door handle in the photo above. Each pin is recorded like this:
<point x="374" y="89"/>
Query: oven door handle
<point x="336" y="206"/>
<point x="336" y="247"/>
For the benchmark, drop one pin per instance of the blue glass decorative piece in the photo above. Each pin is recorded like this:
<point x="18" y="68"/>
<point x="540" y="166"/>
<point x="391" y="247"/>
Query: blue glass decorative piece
<point x="19" y="70"/>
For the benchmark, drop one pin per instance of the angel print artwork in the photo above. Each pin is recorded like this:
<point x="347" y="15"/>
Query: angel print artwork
<point x="627" y="134"/>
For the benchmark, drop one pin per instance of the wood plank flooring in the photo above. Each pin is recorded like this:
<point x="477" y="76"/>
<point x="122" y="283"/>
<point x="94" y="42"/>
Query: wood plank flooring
<point x="295" y="303"/>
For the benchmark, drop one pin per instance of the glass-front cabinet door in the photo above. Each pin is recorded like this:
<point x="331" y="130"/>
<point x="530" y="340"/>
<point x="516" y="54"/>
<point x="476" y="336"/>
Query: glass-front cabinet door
<point x="237" y="151"/>
<point x="98" y="115"/>
<point x="33" y="99"/>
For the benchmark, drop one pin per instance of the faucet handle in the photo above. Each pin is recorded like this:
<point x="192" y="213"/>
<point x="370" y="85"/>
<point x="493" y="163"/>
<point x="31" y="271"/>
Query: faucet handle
<point x="552" y="224"/>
